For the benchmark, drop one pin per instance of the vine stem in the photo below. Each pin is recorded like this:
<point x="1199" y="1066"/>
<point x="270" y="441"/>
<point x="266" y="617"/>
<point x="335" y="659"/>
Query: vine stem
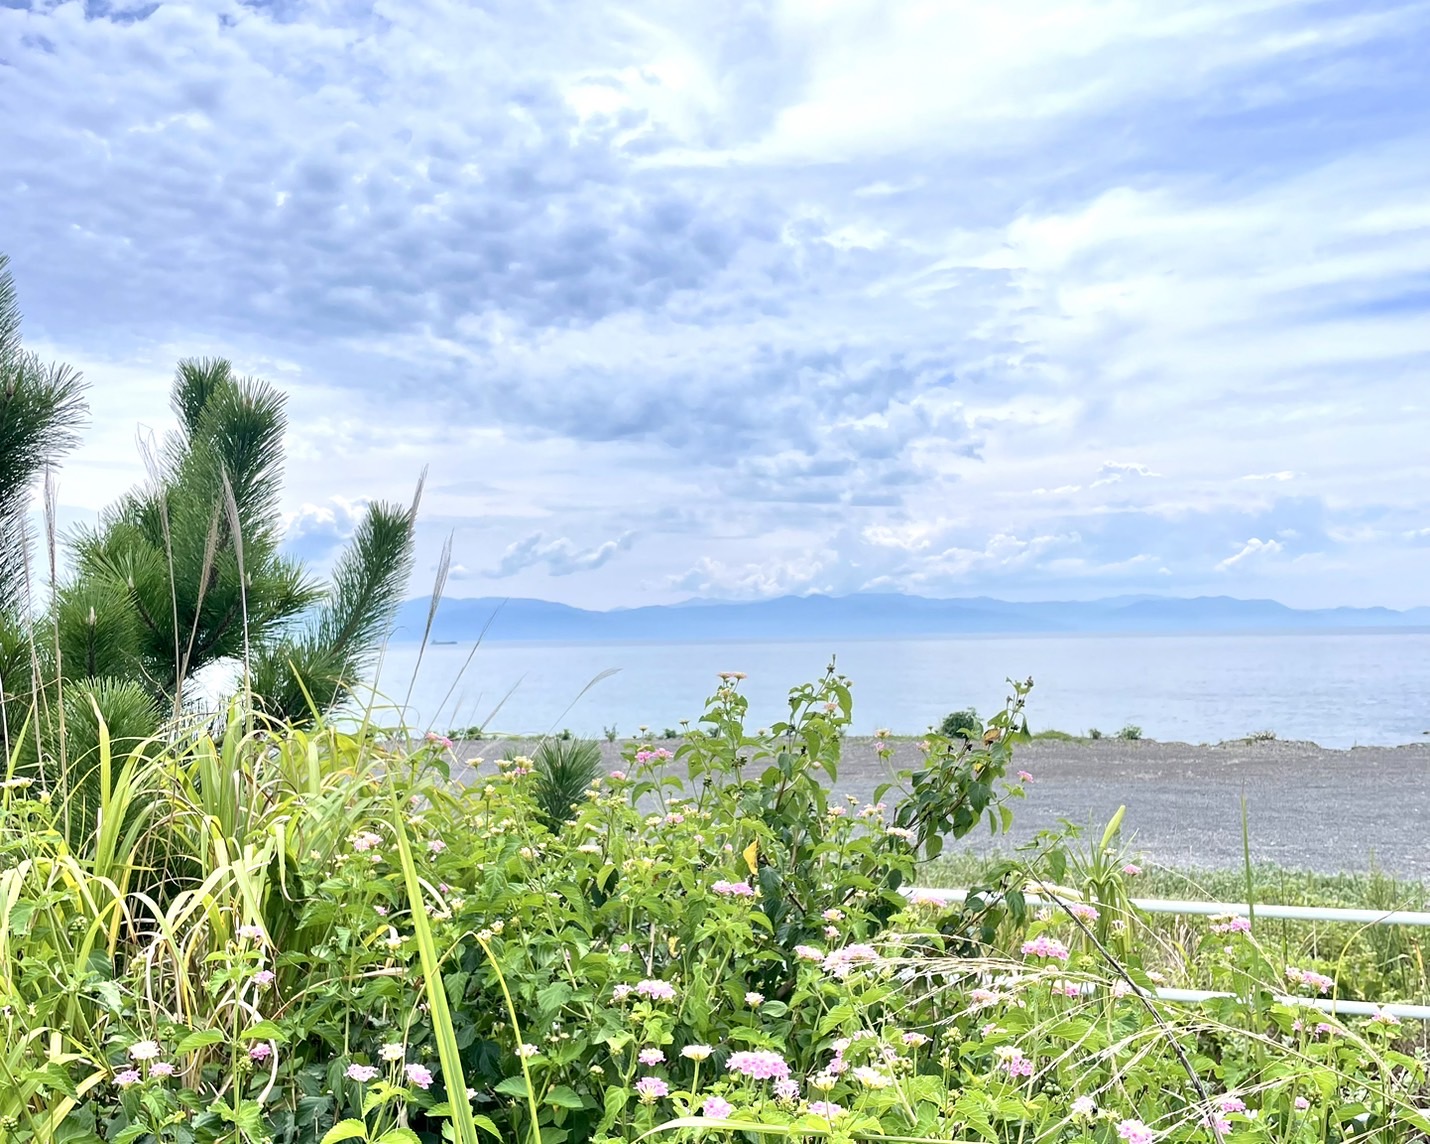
<point x="516" y="1032"/>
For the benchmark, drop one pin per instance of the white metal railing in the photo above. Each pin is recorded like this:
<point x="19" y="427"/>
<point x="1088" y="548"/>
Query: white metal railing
<point x="1401" y="1011"/>
<point x="1232" y="909"/>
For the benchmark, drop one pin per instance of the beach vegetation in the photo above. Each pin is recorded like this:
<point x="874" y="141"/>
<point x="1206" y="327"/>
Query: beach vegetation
<point x="961" y="724"/>
<point x="1130" y="732"/>
<point x="270" y="932"/>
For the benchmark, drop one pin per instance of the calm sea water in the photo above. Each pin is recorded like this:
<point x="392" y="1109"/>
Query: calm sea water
<point x="1335" y="689"/>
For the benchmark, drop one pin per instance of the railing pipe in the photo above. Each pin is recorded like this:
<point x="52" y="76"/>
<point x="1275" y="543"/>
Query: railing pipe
<point x="1331" y="1005"/>
<point x="1233" y="909"/>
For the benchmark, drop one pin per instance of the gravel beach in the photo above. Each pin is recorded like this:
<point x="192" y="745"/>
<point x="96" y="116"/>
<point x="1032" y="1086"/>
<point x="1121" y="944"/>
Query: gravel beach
<point x="1308" y="807"/>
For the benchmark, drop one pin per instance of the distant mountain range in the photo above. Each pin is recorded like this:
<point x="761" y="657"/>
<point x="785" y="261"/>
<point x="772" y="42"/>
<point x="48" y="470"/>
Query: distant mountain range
<point x="875" y="615"/>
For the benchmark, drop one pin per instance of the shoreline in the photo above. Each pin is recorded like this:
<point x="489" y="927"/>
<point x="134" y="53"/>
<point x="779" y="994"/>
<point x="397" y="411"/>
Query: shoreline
<point x="1329" y="810"/>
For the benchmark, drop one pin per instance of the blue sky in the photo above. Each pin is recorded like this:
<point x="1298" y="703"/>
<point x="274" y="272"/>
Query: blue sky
<point x="736" y="299"/>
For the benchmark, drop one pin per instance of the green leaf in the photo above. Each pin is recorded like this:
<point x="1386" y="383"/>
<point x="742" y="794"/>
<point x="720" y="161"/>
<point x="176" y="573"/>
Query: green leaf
<point x="615" y="1100"/>
<point x="263" y="1031"/>
<point x="54" y="1076"/>
<point x="514" y="1086"/>
<point x="133" y="1132"/>
<point x="399" y="1136"/>
<point x="563" y="1097"/>
<point x="552" y="997"/>
<point x="199" y="1040"/>
<point x="345" y="1130"/>
<point x="486" y="1124"/>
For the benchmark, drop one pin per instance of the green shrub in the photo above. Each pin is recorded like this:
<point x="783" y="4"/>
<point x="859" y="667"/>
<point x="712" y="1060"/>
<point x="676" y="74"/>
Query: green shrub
<point x="1094" y="733"/>
<point x="565" y="769"/>
<point x="1131" y="732"/>
<point x="963" y="724"/>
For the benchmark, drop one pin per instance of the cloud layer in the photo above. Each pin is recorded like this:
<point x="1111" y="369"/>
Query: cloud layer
<point x="1031" y="298"/>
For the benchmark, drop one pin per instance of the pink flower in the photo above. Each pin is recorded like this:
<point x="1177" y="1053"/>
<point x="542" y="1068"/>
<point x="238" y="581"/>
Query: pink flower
<point x="436" y="846"/>
<point x="716" y="1108"/>
<point x="261" y="1051"/>
<point x="420" y="1075"/>
<point x="250" y="932"/>
<point x="1232" y="925"/>
<point x="439" y="740"/>
<point x="808" y="953"/>
<point x="825" y="1108"/>
<point x="622" y="991"/>
<point x="1014" y="1063"/>
<point x="366" y="840"/>
<point x="361" y="1073"/>
<point x="656" y="990"/>
<point x="263" y="977"/>
<point x="618" y="775"/>
<point x="733" y="889"/>
<point x="162" y="1068"/>
<point x="651" y="1088"/>
<point x="1232" y="1104"/>
<point x="754" y="1000"/>
<point x="1025" y="777"/>
<point x="127" y="1077"/>
<point x="1135" y="1132"/>
<point x="1132" y="869"/>
<point x="1309" y="977"/>
<point x="1083" y="911"/>
<point x="761" y="1064"/>
<point x="841" y="962"/>
<point x="786" y="1089"/>
<point x="651" y="1056"/>
<point x="1301" y="1104"/>
<point x="1083" y="1106"/>
<point x="1044" y="946"/>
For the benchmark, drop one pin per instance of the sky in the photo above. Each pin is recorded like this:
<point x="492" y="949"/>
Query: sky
<point x="736" y="299"/>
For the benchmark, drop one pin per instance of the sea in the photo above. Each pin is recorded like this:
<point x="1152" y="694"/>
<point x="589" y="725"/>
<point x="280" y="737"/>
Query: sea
<point x="1338" y="689"/>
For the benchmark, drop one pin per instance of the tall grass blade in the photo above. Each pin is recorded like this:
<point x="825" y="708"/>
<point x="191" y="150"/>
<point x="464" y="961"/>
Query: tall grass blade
<point x="463" y="1121"/>
<point x="439" y="585"/>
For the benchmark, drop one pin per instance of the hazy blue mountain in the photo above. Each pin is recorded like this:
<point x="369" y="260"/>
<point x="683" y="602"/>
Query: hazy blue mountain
<point x="876" y="615"/>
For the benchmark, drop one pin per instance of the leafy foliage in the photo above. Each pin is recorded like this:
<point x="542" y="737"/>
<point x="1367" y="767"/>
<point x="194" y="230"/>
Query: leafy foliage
<point x="961" y="724"/>
<point x="187" y="572"/>
<point x="305" y="935"/>
<point x="41" y="409"/>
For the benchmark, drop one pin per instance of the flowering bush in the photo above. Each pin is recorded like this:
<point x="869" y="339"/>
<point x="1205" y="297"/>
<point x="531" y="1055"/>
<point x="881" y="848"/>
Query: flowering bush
<point x="351" y="947"/>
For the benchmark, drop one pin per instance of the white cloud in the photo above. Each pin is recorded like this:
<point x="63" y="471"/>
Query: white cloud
<point x="560" y="557"/>
<point x="1252" y="549"/>
<point x="1283" y="475"/>
<point x="1114" y="471"/>
<point x="313" y="531"/>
